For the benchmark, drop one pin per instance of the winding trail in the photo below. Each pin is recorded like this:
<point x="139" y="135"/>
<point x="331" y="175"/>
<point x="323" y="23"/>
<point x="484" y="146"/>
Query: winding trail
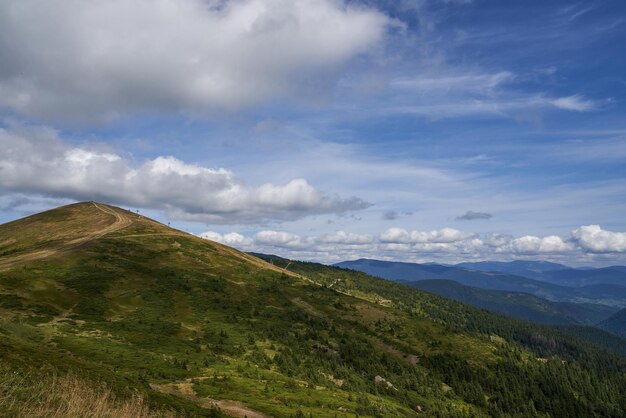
<point x="121" y="221"/>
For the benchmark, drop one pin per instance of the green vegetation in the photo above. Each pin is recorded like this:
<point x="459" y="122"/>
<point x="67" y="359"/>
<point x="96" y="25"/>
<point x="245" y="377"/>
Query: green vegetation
<point x="518" y="304"/>
<point x="199" y="329"/>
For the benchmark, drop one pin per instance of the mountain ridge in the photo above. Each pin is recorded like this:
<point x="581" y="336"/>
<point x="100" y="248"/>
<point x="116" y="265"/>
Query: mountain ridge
<point x="606" y="294"/>
<point x="518" y="304"/>
<point x="555" y="273"/>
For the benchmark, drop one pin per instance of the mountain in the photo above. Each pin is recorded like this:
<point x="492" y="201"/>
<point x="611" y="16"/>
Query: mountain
<point x="554" y="273"/>
<point x="530" y="269"/>
<point x="517" y="304"/>
<point x="609" y="295"/>
<point x="615" y="275"/>
<point x="616" y="324"/>
<point x="352" y="281"/>
<point x="115" y="303"/>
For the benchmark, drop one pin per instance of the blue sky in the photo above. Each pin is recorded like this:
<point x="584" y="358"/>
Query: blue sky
<point x="424" y="130"/>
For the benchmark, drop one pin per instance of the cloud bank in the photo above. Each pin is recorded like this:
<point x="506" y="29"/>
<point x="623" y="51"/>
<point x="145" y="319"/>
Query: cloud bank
<point x="36" y="160"/>
<point x="446" y="245"/>
<point x="101" y="59"/>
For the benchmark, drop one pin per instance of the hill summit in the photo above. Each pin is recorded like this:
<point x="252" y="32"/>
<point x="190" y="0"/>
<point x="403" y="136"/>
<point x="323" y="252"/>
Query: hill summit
<point x="197" y="328"/>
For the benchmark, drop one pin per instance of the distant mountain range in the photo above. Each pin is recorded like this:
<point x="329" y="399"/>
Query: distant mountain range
<point x="538" y="291"/>
<point x="518" y="304"/>
<point x="554" y="273"/>
<point x="609" y="294"/>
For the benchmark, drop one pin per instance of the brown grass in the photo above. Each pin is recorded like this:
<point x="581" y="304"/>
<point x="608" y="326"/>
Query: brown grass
<point x="24" y="395"/>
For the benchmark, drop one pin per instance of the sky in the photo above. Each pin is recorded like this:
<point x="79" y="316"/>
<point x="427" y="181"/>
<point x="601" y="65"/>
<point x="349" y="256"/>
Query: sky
<point x="327" y="130"/>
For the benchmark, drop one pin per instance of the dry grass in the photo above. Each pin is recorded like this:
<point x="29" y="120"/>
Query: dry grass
<point x="24" y="395"/>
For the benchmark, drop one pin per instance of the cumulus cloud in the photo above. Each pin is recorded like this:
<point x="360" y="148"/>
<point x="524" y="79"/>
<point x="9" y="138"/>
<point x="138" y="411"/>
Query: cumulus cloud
<point x="534" y="245"/>
<point x="470" y="215"/>
<point x="441" y="236"/>
<point x="593" y="238"/>
<point x="337" y="245"/>
<point x="342" y="237"/>
<point x="279" y="239"/>
<point x="100" y="59"/>
<point x="495" y="240"/>
<point x="37" y="161"/>
<point x="232" y="239"/>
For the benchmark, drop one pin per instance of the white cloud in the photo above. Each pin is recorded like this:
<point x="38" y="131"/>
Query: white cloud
<point x="576" y="102"/>
<point x="100" y="59"/>
<point x="441" y="236"/>
<point x="395" y="236"/>
<point x="471" y="94"/>
<point x="342" y="237"/>
<point x="232" y="239"/>
<point x="445" y="235"/>
<point x="37" y="161"/>
<point x="279" y="239"/>
<point x="534" y="245"/>
<point x="495" y="240"/>
<point x="499" y="105"/>
<point x="594" y="239"/>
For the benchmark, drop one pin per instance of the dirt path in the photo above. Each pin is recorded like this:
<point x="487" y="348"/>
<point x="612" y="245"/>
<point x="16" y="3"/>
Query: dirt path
<point x="151" y="234"/>
<point x="120" y="222"/>
<point x="231" y="408"/>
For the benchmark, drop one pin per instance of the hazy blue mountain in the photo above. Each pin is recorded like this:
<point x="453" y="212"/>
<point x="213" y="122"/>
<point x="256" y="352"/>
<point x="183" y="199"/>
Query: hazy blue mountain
<point x="553" y="272"/>
<point x="616" y="323"/>
<point x="519" y="305"/>
<point x="615" y="275"/>
<point x="530" y="269"/>
<point x="605" y="294"/>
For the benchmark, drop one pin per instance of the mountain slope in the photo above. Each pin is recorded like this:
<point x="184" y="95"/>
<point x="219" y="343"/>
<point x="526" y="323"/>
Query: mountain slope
<point x="554" y="273"/>
<point x="530" y="269"/>
<point x="439" y="309"/>
<point x="610" y="295"/>
<point x="616" y="323"/>
<point x="615" y="275"/>
<point x="517" y="304"/>
<point x="205" y="330"/>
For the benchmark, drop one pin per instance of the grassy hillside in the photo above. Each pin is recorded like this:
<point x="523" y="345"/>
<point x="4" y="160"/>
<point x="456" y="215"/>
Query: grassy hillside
<point x="518" y="304"/>
<point x="457" y="316"/>
<point x="191" y="327"/>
